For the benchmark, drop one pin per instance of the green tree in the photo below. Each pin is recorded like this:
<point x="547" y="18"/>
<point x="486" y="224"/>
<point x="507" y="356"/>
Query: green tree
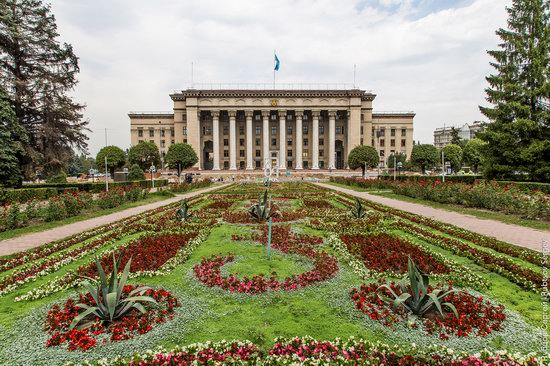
<point x="473" y="153"/>
<point x="144" y="154"/>
<point x="453" y="155"/>
<point x="39" y="74"/>
<point x="136" y="173"/>
<point x="115" y="159"/>
<point x="455" y="136"/>
<point x="518" y="137"/>
<point x="399" y="158"/>
<point x="180" y="156"/>
<point x="424" y="156"/>
<point x="12" y="138"/>
<point x="363" y="155"/>
<point x="80" y="164"/>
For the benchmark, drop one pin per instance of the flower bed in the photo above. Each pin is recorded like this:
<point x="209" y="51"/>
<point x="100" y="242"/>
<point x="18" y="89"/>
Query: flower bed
<point x="476" y="316"/>
<point x="388" y="253"/>
<point x="59" y="319"/>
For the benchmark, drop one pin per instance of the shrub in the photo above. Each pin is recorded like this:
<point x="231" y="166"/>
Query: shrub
<point x="58" y="178"/>
<point x="135" y="173"/>
<point x="55" y="210"/>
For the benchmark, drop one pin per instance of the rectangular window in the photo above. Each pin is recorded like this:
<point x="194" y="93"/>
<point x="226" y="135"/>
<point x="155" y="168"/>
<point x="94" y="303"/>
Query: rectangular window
<point x="382" y="132"/>
<point x="140" y="132"/>
<point x="403" y="143"/>
<point x="305" y="154"/>
<point x="289" y="163"/>
<point x="258" y="117"/>
<point x="321" y="164"/>
<point x="225" y="130"/>
<point x="162" y="132"/>
<point x="382" y="142"/>
<point x="258" y="130"/>
<point x="225" y="142"/>
<point x="226" y="165"/>
<point x="321" y="129"/>
<point x="152" y="141"/>
<point x="392" y="132"/>
<point x="403" y="132"/>
<point x="321" y="142"/>
<point x="289" y="117"/>
<point x="184" y="141"/>
<point x="273" y="142"/>
<point x="306" y="141"/>
<point x="172" y="133"/>
<point x="151" y="132"/>
<point x="289" y="153"/>
<point x="289" y="130"/>
<point x="321" y="152"/>
<point x="226" y="153"/>
<point x="361" y="143"/>
<point x="339" y="130"/>
<point x="273" y="117"/>
<point x="306" y="116"/>
<point x="274" y="130"/>
<point x="258" y="142"/>
<point x="162" y="143"/>
<point x="185" y="131"/>
<point x="241" y="142"/>
<point x="305" y="129"/>
<point x="241" y="153"/>
<point x="392" y="142"/>
<point x="362" y="129"/>
<point x="140" y="141"/>
<point x="172" y="141"/>
<point x="258" y="153"/>
<point x="258" y="164"/>
<point x="381" y="153"/>
<point x="289" y="142"/>
<point x="241" y="130"/>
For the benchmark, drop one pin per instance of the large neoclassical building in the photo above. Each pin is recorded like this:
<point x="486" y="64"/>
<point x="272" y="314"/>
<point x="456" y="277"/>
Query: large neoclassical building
<point x="295" y="129"/>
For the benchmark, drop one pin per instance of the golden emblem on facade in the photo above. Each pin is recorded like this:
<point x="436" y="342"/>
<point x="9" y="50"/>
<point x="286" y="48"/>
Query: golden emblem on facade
<point x="274" y="102"/>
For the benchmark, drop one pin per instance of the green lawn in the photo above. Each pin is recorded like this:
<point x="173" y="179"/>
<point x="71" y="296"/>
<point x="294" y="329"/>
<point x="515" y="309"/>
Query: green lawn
<point x="151" y="198"/>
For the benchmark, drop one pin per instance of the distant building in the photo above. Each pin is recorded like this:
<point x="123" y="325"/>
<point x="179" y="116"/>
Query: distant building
<point x="443" y="135"/>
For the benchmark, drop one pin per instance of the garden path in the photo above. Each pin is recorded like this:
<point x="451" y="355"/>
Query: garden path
<point x="32" y="240"/>
<point x="514" y="234"/>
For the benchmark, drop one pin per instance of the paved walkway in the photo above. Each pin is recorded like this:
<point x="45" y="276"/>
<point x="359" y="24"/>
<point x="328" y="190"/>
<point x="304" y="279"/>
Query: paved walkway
<point x="27" y="241"/>
<point x="514" y="234"/>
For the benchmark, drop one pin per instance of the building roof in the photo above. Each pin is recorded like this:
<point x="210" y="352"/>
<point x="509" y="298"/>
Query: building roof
<point x="242" y="93"/>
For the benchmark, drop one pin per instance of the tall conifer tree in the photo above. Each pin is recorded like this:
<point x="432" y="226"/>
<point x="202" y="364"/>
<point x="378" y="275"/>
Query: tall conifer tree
<point x="518" y="137"/>
<point x="38" y="73"/>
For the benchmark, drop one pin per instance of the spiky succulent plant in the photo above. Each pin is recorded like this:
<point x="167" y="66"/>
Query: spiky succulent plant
<point x="111" y="302"/>
<point x="183" y="214"/>
<point x="263" y="210"/>
<point x="357" y="210"/>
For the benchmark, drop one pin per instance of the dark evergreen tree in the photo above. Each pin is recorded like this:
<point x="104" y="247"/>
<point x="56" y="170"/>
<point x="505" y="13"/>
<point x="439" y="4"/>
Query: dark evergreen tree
<point x="12" y="140"/>
<point x="38" y="73"/>
<point x="518" y="137"/>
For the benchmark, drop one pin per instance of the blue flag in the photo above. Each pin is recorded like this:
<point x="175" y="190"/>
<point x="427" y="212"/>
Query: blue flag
<point x="277" y="63"/>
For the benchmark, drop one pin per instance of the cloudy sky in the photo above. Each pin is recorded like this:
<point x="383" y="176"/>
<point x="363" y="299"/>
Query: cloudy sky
<point x="428" y="56"/>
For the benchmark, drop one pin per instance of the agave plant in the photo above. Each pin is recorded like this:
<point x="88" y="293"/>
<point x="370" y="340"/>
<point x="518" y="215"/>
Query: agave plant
<point x="418" y="301"/>
<point x="111" y="303"/>
<point x="357" y="211"/>
<point x="263" y="210"/>
<point x="183" y="214"/>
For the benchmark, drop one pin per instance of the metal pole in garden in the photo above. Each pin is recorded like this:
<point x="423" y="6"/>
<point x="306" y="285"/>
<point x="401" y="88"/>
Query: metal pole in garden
<point x="443" y="165"/>
<point x="269" y="239"/>
<point x="106" y="180"/>
<point x="394" y="165"/>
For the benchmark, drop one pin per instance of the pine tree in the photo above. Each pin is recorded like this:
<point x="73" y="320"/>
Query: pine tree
<point x="38" y="72"/>
<point x="12" y="138"/>
<point x="518" y="137"/>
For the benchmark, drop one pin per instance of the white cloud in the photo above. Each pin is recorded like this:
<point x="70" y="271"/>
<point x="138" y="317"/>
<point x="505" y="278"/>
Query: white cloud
<point x="134" y="53"/>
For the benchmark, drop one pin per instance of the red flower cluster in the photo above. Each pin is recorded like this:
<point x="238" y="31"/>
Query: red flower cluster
<point x="59" y="319"/>
<point x="317" y="203"/>
<point x="325" y="265"/>
<point x="475" y="315"/>
<point x="148" y="253"/>
<point x="384" y="252"/>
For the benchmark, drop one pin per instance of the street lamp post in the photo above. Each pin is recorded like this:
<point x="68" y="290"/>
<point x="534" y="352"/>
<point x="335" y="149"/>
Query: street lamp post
<point x="394" y="166"/>
<point x="152" y="170"/>
<point x="443" y="165"/>
<point x="92" y="174"/>
<point x="399" y="165"/>
<point x="106" y="180"/>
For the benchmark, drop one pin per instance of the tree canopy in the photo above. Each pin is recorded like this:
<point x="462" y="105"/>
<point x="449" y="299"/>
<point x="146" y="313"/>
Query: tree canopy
<point x="361" y="155"/>
<point x="453" y="155"/>
<point x="399" y="158"/>
<point x="12" y="138"/>
<point x="144" y="154"/>
<point x="136" y="173"/>
<point x="473" y="153"/>
<point x="39" y="74"/>
<point x="115" y="159"/>
<point x="518" y="137"/>
<point x="180" y="156"/>
<point x="424" y="156"/>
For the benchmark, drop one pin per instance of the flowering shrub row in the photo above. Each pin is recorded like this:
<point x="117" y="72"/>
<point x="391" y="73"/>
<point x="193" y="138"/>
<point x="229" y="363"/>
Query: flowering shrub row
<point x="476" y="316"/>
<point x="59" y="319"/>
<point x="308" y="351"/>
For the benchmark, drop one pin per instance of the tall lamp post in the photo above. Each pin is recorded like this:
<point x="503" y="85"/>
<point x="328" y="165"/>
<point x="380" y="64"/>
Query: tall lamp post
<point x="152" y="170"/>
<point x="92" y="174"/>
<point x="443" y="165"/>
<point x="399" y="165"/>
<point x="106" y="179"/>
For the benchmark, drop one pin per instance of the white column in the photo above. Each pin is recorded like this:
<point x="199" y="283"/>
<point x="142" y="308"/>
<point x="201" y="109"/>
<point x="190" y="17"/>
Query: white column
<point x="299" y="140"/>
<point x="282" y="140"/>
<point x="315" y="142"/>
<point x="265" y="145"/>
<point x="232" y="141"/>
<point x="249" y="138"/>
<point x="331" y="139"/>
<point x="216" y="139"/>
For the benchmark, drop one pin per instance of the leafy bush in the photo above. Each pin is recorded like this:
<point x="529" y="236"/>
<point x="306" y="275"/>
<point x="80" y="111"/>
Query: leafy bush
<point x="58" y="178"/>
<point x="135" y="173"/>
<point x="55" y="210"/>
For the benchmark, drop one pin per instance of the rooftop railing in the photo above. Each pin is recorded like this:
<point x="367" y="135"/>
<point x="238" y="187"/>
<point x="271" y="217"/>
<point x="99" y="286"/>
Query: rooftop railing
<point x="272" y="86"/>
<point x="152" y="112"/>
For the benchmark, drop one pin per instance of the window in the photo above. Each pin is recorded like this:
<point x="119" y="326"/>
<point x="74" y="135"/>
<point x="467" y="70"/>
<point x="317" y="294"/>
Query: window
<point x="241" y="130"/>
<point x="289" y="117"/>
<point x="305" y="164"/>
<point x="321" y="129"/>
<point x="140" y="141"/>
<point x="140" y="132"/>
<point x="162" y="143"/>
<point x="185" y="131"/>
<point x="339" y="130"/>
<point x="226" y="153"/>
<point x="381" y="142"/>
<point x="226" y="165"/>
<point x="258" y="142"/>
<point x="258" y="117"/>
<point x="361" y="143"/>
<point x="258" y="130"/>
<point x="321" y="142"/>
<point x="289" y="130"/>
<point x="305" y="154"/>
<point x="306" y="141"/>
<point x="151" y="132"/>
<point x="162" y="132"/>
<point x="289" y="153"/>
<point x="225" y="142"/>
<point x="382" y="132"/>
<point x="152" y="141"/>
<point x="273" y="142"/>
<point x="403" y="132"/>
<point x="258" y="153"/>
<point x="258" y="164"/>
<point x="305" y="129"/>
<point x="289" y="164"/>
<point x="362" y="129"/>
<point x="392" y="132"/>
<point x="392" y="142"/>
<point x="241" y="142"/>
<point x="172" y="141"/>
<point x="172" y="133"/>
<point x="241" y="153"/>
<point x="289" y="142"/>
<point x="225" y="130"/>
<point x="274" y="130"/>
<point x="273" y="117"/>
<point x="321" y="152"/>
<point x="306" y="117"/>
<point x="403" y="143"/>
<point x="381" y="153"/>
<point x="321" y="164"/>
<point x="184" y="141"/>
<point x="206" y="130"/>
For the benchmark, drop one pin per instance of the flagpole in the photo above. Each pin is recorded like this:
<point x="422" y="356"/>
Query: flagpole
<point x="275" y="63"/>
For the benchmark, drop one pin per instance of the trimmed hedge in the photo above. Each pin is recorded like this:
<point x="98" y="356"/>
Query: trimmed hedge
<point x="470" y="179"/>
<point x="47" y="190"/>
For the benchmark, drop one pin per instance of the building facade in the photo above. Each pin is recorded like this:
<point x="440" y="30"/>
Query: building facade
<point x="468" y="131"/>
<point x="295" y="129"/>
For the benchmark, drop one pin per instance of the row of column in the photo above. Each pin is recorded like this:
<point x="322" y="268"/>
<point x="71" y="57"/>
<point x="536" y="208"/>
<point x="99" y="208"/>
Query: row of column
<point x="266" y="141"/>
